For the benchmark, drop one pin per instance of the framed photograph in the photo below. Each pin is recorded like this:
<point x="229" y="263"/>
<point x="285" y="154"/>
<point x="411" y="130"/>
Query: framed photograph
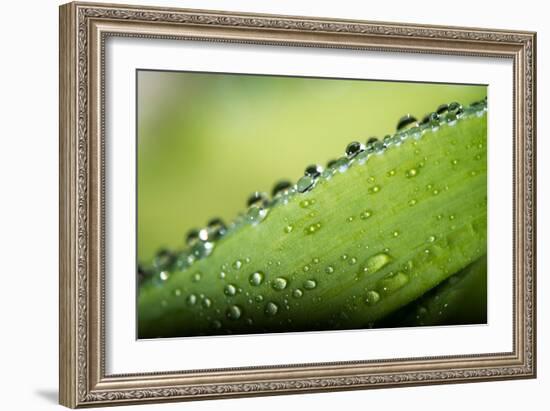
<point x="260" y="204"/>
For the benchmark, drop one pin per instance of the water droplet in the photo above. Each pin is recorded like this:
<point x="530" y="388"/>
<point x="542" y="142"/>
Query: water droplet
<point x="256" y="214"/>
<point x="192" y="237"/>
<point x="202" y="249"/>
<point x="196" y="277"/>
<point x="222" y="274"/>
<point x="313" y="171"/>
<point x="431" y="238"/>
<point x="304" y="184"/>
<point x="365" y="214"/>
<point x="391" y="173"/>
<point x="310" y="284"/>
<point x="206" y="302"/>
<point x="256" y="278"/>
<point x="349" y="219"/>
<point x="279" y="283"/>
<point x="313" y="228"/>
<point x="374" y="189"/>
<point x="164" y="259"/>
<point x="395" y="233"/>
<point x="454" y="162"/>
<point x="451" y="217"/>
<point x="177" y="292"/>
<point x="257" y="199"/>
<point x="259" y="298"/>
<point x="297" y="293"/>
<point x="352" y="261"/>
<point x="315" y="260"/>
<point x="344" y="257"/>
<point x="234" y="312"/>
<point x="377" y="262"/>
<point x="435" y="192"/>
<point x="237" y="264"/>
<point x="431" y="119"/>
<point x="412" y="202"/>
<point x="163" y="275"/>
<point x="215" y="229"/>
<point x="411" y="173"/>
<point x="271" y="308"/>
<point x="374" y="145"/>
<point x="305" y="268"/>
<point x="307" y="203"/>
<point x="354" y="148"/>
<point x="230" y="290"/>
<point x="329" y="269"/>
<point x="392" y="282"/>
<point x="184" y="260"/>
<point x="288" y="229"/>
<point x="372" y="297"/>
<point x="282" y="188"/>
<point x="442" y="109"/>
<point x="191" y="299"/>
<point x="406" y="122"/>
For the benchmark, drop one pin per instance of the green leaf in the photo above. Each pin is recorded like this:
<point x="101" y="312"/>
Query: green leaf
<point x="357" y="247"/>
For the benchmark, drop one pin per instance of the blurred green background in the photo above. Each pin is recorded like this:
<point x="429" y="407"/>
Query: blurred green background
<point x="207" y="141"/>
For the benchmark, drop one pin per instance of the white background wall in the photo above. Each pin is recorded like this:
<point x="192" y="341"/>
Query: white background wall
<point x="28" y="205"/>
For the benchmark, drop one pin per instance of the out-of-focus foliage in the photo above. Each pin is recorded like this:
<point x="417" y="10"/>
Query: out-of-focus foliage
<point x="206" y="141"/>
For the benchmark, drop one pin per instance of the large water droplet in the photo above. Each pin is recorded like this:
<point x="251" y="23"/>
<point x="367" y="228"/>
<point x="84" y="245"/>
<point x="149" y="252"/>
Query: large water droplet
<point x="442" y="109"/>
<point x="297" y="293"/>
<point x="329" y="269"/>
<point x="392" y="282"/>
<point x="202" y="249"/>
<point x="216" y="229"/>
<point x="271" y="308"/>
<point x="279" y="283"/>
<point x="310" y="284"/>
<point x="281" y="188"/>
<point x="230" y="290"/>
<point x="430" y="120"/>
<point x="406" y="122"/>
<point x="234" y="312"/>
<point x="372" y="297"/>
<point x="313" y="171"/>
<point x="304" y="184"/>
<point x="257" y="199"/>
<point x="192" y="299"/>
<point x="374" y="145"/>
<point x="354" y="148"/>
<point x="377" y="262"/>
<point x="192" y="237"/>
<point x="256" y="278"/>
<point x="256" y="214"/>
<point x="164" y="259"/>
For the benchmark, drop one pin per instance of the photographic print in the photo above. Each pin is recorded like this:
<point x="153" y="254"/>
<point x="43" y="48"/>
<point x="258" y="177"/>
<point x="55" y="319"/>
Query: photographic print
<point x="270" y="204"/>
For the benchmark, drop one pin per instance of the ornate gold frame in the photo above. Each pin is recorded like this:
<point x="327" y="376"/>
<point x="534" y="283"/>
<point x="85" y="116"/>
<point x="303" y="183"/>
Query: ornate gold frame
<point x="83" y="30"/>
